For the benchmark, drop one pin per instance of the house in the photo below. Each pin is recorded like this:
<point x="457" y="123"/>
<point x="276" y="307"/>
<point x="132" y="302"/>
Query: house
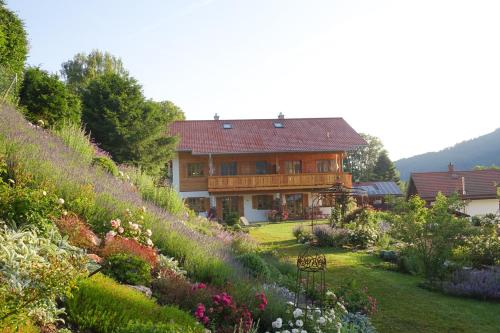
<point x="478" y="188"/>
<point x="378" y="191"/>
<point x="252" y="166"/>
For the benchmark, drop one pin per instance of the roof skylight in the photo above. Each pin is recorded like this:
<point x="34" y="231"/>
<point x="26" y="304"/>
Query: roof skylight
<point x="227" y="126"/>
<point x="279" y="125"/>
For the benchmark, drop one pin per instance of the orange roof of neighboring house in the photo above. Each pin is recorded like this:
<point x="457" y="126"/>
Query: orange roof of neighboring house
<point x="478" y="184"/>
<point x="262" y="136"/>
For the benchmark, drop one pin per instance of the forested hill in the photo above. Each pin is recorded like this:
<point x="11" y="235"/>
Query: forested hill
<point x="483" y="150"/>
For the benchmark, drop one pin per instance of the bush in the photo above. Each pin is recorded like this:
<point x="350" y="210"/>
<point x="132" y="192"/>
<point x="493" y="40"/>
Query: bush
<point x="103" y="306"/>
<point x="390" y="256"/>
<point x="242" y="243"/>
<point x="327" y="236"/>
<point x="121" y="245"/>
<point x="177" y="290"/>
<point x="231" y="218"/>
<point x="357" y="322"/>
<point x="363" y="228"/>
<point x="75" y="138"/>
<point x="106" y="164"/>
<point x="128" y="269"/>
<point x="482" y="249"/>
<point x="483" y="284"/>
<point x="255" y="264"/>
<point x="356" y="299"/>
<point x="35" y="271"/>
<point x="150" y="327"/>
<point x="301" y="235"/>
<point x="78" y="232"/>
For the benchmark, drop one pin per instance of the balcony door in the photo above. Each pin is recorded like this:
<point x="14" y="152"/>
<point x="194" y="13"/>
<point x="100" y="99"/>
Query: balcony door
<point x="293" y="167"/>
<point x="295" y="205"/>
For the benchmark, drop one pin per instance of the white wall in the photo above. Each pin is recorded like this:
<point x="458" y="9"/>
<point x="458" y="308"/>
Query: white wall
<point x="194" y="194"/>
<point x="176" y="172"/>
<point x="481" y="207"/>
<point x="253" y="215"/>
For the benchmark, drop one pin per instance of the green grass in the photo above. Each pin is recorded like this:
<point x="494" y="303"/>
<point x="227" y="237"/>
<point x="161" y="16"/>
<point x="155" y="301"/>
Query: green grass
<point x="402" y="305"/>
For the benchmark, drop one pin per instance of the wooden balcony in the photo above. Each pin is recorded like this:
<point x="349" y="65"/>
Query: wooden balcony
<point x="276" y="182"/>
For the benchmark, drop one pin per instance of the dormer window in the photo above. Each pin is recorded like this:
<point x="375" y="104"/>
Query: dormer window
<point x="227" y="126"/>
<point x="278" y="125"/>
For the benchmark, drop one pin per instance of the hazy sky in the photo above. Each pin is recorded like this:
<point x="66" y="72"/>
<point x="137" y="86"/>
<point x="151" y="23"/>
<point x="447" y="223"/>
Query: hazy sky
<point x="421" y="75"/>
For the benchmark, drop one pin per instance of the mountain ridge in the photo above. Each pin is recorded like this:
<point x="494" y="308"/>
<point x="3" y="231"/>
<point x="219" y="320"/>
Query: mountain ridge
<point x="482" y="150"/>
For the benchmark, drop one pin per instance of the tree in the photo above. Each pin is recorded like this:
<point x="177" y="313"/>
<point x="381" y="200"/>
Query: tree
<point x="13" y="47"/>
<point x="126" y="125"/>
<point x="83" y="68"/>
<point x="384" y="169"/>
<point x="361" y="161"/>
<point x="46" y="98"/>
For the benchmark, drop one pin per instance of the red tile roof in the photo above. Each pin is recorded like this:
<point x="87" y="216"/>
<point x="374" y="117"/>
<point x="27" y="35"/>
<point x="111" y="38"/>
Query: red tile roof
<point x="261" y="136"/>
<point x="479" y="184"/>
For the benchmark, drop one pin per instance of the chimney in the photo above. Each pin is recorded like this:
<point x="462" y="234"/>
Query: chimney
<point x="450" y="168"/>
<point x="216" y="116"/>
<point x="463" y="186"/>
<point x="281" y="116"/>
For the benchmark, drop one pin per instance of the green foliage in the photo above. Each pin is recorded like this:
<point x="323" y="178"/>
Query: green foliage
<point x="34" y="272"/>
<point x="364" y="230"/>
<point x="83" y="68"/>
<point x="356" y="299"/>
<point x="255" y="264"/>
<point x="24" y="207"/>
<point x="150" y="327"/>
<point x="384" y="169"/>
<point x="75" y="138"/>
<point x="103" y="306"/>
<point x="328" y="236"/>
<point x="164" y="196"/>
<point x="13" y="49"/>
<point x="431" y="233"/>
<point x="106" y="164"/>
<point x="362" y="161"/>
<point x="128" y="269"/>
<point x="47" y="99"/>
<point x="130" y="128"/>
<point x="481" y="248"/>
<point x="231" y="218"/>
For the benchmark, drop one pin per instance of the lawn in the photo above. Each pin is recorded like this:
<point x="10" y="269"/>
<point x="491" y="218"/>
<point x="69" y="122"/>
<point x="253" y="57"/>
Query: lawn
<point x="402" y="305"/>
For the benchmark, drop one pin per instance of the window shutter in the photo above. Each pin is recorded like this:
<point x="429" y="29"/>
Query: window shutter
<point x="254" y="201"/>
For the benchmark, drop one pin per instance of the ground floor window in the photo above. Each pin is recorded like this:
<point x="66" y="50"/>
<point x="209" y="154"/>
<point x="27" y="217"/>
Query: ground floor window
<point x="262" y="202"/>
<point x="199" y="205"/>
<point x="230" y="207"/>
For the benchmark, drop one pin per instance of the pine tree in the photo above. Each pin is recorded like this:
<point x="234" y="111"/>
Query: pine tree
<point x="384" y="169"/>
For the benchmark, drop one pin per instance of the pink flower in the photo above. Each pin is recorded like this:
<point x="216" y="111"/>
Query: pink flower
<point x="115" y="223"/>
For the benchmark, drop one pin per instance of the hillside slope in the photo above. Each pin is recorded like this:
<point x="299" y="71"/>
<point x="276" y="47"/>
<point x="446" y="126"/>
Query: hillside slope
<point x="483" y="150"/>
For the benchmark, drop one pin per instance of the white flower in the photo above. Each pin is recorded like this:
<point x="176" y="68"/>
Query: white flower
<point x="321" y="320"/>
<point x="297" y="313"/>
<point x="278" y="323"/>
<point x="134" y="226"/>
<point x="44" y="192"/>
<point x="120" y="230"/>
<point x="295" y="330"/>
<point x="65" y="212"/>
<point x="149" y="232"/>
<point x="149" y="242"/>
<point x="285" y="331"/>
<point x="144" y="209"/>
<point x="299" y="323"/>
<point x="303" y="331"/>
<point x="290" y="323"/>
<point x="121" y="173"/>
<point x="60" y="201"/>
<point x="111" y="233"/>
<point x="330" y="293"/>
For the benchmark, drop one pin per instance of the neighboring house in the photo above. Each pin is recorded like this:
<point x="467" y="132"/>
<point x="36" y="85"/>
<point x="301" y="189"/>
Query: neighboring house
<point x="253" y="166"/>
<point x="478" y="188"/>
<point x="378" y="191"/>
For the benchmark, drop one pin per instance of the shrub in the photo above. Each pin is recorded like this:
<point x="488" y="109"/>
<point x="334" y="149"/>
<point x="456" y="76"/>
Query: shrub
<point x="231" y="218"/>
<point x="168" y="266"/>
<point x="362" y="235"/>
<point x="356" y="299"/>
<point x="302" y="235"/>
<point x="327" y="236"/>
<point x="103" y="306"/>
<point x="106" y="164"/>
<point x="484" y="283"/>
<point x="78" y="232"/>
<point x="150" y="327"/>
<point x="482" y="249"/>
<point x="390" y="256"/>
<point x="255" y="264"/>
<point x="76" y="139"/>
<point x="177" y="290"/>
<point x="128" y="269"/>
<point x="242" y="243"/>
<point x="121" y="245"/>
<point x="22" y="206"/>
<point x="357" y="322"/>
<point x="34" y="272"/>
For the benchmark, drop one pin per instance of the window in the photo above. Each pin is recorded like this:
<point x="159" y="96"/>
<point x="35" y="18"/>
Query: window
<point x="327" y="202"/>
<point x="293" y="167"/>
<point x="195" y="169"/>
<point x="279" y="125"/>
<point x="197" y="204"/>
<point x="262" y="202"/>
<point x="295" y="205"/>
<point x="227" y="126"/>
<point x="325" y="166"/>
<point x="262" y="168"/>
<point x="228" y="168"/>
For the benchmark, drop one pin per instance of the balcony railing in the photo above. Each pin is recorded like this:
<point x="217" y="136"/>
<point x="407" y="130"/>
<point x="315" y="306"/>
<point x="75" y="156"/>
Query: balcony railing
<point x="276" y="181"/>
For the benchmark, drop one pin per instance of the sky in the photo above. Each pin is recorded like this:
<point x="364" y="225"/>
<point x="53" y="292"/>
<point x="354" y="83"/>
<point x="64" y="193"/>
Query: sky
<point x="420" y="75"/>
